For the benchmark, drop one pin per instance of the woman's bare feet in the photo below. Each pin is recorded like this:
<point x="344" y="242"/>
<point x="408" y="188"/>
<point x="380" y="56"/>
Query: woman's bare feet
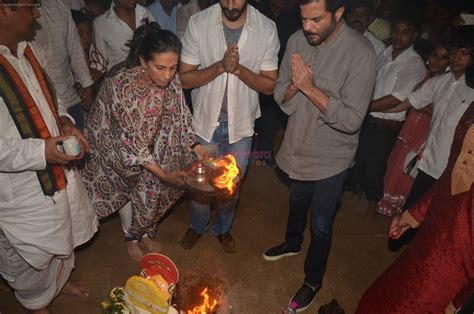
<point x="75" y="289"/>
<point x="151" y="245"/>
<point x="134" y="250"/>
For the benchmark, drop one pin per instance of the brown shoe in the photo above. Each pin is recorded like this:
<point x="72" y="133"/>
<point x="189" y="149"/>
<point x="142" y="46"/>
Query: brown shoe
<point x="228" y="243"/>
<point x="190" y="238"/>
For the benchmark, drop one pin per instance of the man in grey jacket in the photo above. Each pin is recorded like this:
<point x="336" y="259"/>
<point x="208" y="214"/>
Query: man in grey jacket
<point x="325" y="85"/>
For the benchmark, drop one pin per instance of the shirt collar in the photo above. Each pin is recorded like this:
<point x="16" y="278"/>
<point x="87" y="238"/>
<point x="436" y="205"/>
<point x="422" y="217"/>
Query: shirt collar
<point x="462" y="78"/>
<point x="19" y="51"/>
<point x="110" y="14"/>
<point x="216" y="17"/>
<point x="407" y="53"/>
<point x="336" y="38"/>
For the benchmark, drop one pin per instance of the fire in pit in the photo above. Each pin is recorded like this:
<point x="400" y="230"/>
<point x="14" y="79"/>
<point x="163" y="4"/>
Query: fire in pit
<point x="206" y="307"/>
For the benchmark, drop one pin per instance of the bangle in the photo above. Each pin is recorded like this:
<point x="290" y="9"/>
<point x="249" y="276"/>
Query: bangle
<point x="195" y="144"/>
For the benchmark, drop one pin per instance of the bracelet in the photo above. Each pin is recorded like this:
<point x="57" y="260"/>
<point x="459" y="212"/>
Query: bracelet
<point x="194" y="145"/>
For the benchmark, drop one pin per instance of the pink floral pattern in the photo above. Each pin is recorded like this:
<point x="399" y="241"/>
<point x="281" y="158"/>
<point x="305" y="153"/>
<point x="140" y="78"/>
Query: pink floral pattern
<point x="133" y="123"/>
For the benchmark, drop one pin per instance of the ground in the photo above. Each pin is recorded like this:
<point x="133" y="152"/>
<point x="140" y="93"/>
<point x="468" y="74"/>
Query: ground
<point x="242" y="282"/>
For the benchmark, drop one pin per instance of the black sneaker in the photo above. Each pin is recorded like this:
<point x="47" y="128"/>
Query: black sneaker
<point x="278" y="252"/>
<point x="304" y="297"/>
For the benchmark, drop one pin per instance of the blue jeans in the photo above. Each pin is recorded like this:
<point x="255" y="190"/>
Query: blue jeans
<point x="200" y="212"/>
<point x="323" y="197"/>
<point x="77" y="113"/>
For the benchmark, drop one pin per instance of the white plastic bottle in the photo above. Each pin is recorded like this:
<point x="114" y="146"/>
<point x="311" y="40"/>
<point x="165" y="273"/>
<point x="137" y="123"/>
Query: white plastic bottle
<point x="71" y="146"/>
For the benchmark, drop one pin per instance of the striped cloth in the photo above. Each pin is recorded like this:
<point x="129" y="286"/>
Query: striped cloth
<point x="27" y="117"/>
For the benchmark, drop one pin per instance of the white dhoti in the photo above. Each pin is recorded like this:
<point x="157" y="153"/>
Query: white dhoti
<point x="34" y="288"/>
<point x="37" y="241"/>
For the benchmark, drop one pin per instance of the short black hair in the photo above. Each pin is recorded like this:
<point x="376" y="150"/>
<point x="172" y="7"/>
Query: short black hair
<point x="81" y="17"/>
<point x="462" y="37"/>
<point x="408" y="17"/>
<point x="369" y="4"/>
<point x="331" y="5"/>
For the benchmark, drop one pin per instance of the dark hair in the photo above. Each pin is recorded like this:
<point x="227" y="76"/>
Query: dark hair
<point x="409" y="17"/>
<point x="331" y="5"/>
<point x="81" y="17"/>
<point x="439" y="43"/>
<point x="463" y="37"/>
<point x="149" y="39"/>
<point x="104" y="4"/>
<point x="369" y="4"/>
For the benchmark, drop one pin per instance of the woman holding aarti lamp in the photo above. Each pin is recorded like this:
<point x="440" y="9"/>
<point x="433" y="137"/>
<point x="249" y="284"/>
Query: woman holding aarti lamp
<point x="140" y="129"/>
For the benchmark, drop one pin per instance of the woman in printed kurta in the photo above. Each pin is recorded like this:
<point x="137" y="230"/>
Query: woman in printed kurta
<point x="140" y="131"/>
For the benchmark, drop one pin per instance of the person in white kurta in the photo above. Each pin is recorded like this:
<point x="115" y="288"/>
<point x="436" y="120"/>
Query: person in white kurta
<point x="37" y="232"/>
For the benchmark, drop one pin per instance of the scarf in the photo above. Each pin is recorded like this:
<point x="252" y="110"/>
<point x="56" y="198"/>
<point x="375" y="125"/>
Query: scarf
<point x="26" y="115"/>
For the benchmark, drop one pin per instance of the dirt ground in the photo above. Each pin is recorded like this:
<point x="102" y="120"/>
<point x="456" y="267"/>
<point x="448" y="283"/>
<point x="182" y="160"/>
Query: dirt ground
<point x="242" y="282"/>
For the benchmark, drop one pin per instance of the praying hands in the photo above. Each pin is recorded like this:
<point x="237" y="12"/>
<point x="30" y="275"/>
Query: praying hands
<point x="301" y="74"/>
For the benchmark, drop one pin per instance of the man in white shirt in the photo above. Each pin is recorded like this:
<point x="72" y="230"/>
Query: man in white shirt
<point x="230" y="54"/>
<point x="41" y="217"/>
<point x="60" y="41"/>
<point x="115" y="28"/>
<point x="164" y="13"/>
<point x="361" y="14"/>
<point x="399" y="70"/>
<point x="450" y="97"/>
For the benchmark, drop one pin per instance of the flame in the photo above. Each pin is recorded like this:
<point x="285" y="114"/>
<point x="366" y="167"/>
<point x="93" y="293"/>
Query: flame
<point x="205" y="307"/>
<point x="226" y="179"/>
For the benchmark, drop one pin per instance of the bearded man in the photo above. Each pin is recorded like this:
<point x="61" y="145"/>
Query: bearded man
<point x="325" y="85"/>
<point x="230" y="54"/>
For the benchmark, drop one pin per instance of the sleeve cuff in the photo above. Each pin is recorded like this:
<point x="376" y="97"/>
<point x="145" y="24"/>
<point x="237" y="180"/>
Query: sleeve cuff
<point x="399" y="96"/>
<point x="269" y="67"/>
<point x="411" y="220"/>
<point x="67" y="115"/>
<point x="39" y="145"/>
<point x="331" y="109"/>
<point x="148" y="159"/>
<point x="414" y="103"/>
<point x="87" y="83"/>
<point x="190" y="60"/>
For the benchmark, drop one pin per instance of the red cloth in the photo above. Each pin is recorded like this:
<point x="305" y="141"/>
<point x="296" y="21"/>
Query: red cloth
<point x="439" y="263"/>
<point x="397" y="184"/>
